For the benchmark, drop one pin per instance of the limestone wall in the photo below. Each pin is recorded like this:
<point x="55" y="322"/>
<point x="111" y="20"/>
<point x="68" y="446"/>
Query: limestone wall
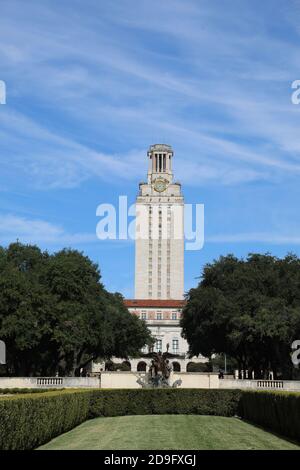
<point x="108" y="380"/>
<point x="285" y="385"/>
<point x="49" y="382"/>
<point x="129" y="380"/>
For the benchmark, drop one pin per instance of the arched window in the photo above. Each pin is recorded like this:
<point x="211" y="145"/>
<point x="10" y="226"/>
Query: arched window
<point x="109" y="366"/>
<point x="197" y="367"/>
<point x="176" y="367"/>
<point x="126" y="366"/>
<point x="141" y="367"/>
<point x="190" y="367"/>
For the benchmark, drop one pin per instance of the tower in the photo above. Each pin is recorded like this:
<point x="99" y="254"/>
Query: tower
<point x="159" y="262"/>
<point x="159" y="245"/>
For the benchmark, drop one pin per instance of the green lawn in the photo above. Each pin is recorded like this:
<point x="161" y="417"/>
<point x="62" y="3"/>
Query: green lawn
<point x="159" y="432"/>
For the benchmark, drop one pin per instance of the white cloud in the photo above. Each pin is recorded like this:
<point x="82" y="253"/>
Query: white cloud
<point x="213" y="84"/>
<point x="51" y="161"/>
<point x="36" y="231"/>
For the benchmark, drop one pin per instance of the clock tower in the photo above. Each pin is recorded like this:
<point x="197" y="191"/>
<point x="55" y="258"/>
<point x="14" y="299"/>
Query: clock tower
<point x="159" y="250"/>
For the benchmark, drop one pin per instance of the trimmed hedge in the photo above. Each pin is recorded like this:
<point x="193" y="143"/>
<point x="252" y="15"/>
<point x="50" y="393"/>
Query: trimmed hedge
<point x="277" y="411"/>
<point x="28" y="421"/>
<point x="11" y="391"/>
<point x="122" y="402"/>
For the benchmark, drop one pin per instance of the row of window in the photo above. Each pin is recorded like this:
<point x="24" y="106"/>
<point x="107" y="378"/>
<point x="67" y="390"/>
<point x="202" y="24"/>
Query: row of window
<point x="159" y="315"/>
<point x="160" y="209"/>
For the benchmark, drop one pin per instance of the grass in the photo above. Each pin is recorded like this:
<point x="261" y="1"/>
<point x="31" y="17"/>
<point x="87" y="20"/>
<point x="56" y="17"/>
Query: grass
<point x="168" y="432"/>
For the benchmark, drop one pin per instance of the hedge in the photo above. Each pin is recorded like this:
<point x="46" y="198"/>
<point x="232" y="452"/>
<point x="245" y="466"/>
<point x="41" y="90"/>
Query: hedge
<point x="121" y="402"/>
<point x="11" y="391"/>
<point x="28" y="421"/>
<point x="277" y="411"/>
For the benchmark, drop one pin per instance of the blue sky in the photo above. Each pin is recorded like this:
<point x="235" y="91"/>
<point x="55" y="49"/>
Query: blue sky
<point x="91" y="84"/>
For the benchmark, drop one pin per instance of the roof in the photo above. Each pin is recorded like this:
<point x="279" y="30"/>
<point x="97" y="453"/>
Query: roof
<point x="160" y="147"/>
<point x="154" y="303"/>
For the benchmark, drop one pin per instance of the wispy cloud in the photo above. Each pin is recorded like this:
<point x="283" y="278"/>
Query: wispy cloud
<point x="50" y="160"/>
<point x="216" y="88"/>
<point x="90" y="86"/>
<point x="35" y="231"/>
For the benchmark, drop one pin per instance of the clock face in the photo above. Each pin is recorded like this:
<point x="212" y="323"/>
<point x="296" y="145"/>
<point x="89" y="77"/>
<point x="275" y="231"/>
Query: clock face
<point x="160" y="185"/>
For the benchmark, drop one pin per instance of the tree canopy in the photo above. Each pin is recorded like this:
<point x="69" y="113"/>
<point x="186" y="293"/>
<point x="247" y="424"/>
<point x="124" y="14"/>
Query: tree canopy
<point x="248" y="309"/>
<point x="56" y="315"/>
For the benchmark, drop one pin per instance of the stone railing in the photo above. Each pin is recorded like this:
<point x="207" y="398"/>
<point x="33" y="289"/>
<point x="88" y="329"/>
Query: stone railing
<point x="50" y="381"/>
<point x="276" y="384"/>
<point x="286" y="385"/>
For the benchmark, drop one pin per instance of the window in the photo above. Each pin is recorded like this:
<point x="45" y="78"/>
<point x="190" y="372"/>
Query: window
<point x="158" y="345"/>
<point x="158" y="315"/>
<point x="175" y="346"/>
<point x="174" y="315"/>
<point x="144" y="315"/>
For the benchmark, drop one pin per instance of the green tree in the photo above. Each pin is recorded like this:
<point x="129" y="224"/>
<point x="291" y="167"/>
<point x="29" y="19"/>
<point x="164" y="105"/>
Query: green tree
<point x="248" y="309"/>
<point x="25" y="308"/>
<point x="56" y="315"/>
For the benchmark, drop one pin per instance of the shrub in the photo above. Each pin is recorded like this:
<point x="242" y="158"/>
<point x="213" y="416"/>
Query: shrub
<point x="164" y="401"/>
<point x="28" y="421"/>
<point x="277" y="411"/>
<point x="31" y="419"/>
<point x="12" y="391"/>
<point x="199" y="367"/>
